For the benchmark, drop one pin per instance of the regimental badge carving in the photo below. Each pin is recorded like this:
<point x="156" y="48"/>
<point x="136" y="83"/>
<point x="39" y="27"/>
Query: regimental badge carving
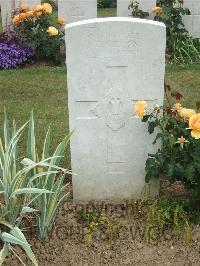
<point x="114" y="108"/>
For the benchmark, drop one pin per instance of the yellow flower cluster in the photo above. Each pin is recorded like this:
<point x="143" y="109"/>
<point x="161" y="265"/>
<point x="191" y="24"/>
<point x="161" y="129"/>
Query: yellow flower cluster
<point x="37" y="11"/>
<point x="45" y="8"/>
<point x="189" y="115"/>
<point x="186" y="113"/>
<point x="22" y="16"/>
<point x="61" y="21"/>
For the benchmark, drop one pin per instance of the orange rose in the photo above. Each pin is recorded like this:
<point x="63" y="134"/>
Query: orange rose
<point x="186" y="113"/>
<point x="61" y="21"/>
<point x="157" y="10"/>
<point x="177" y="106"/>
<point x="194" y="124"/>
<point x="38" y="14"/>
<point x="16" y="20"/>
<point x="23" y="8"/>
<point x="38" y="8"/>
<point x="30" y="14"/>
<point x="140" y="108"/>
<point x="22" y="16"/>
<point x="47" y="8"/>
<point x="52" y="31"/>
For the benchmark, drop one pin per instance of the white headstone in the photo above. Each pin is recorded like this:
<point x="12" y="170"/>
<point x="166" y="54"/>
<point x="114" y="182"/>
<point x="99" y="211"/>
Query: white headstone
<point x="76" y="10"/>
<point x="29" y="3"/>
<point x="112" y="63"/>
<point x="193" y="5"/>
<point x="7" y="7"/>
<point x="192" y="22"/>
<point x="144" y="5"/>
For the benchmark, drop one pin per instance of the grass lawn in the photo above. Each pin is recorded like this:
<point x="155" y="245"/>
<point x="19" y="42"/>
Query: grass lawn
<point x="107" y="12"/>
<point x="44" y="90"/>
<point x="40" y="89"/>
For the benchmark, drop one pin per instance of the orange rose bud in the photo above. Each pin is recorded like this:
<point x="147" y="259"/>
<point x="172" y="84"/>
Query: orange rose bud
<point x="16" y="20"/>
<point x="23" y="8"/>
<point x="61" y="21"/>
<point x="177" y="106"/>
<point x="157" y="10"/>
<point x="22" y="16"/>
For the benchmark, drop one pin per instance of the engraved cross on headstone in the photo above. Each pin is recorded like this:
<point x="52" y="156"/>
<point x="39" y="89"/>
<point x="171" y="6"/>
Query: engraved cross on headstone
<point x="115" y="109"/>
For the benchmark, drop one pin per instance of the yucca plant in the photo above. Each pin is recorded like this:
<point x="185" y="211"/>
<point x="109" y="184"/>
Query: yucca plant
<point x="20" y="187"/>
<point x="53" y="181"/>
<point x="16" y="237"/>
<point x="16" y="176"/>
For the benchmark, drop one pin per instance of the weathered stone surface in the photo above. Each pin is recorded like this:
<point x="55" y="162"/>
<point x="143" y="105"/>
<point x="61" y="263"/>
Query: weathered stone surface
<point x="145" y="5"/>
<point x="29" y="3"/>
<point x="76" y="10"/>
<point x="193" y="5"/>
<point x="111" y="64"/>
<point x="7" y="7"/>
<point x="192" y="21"/>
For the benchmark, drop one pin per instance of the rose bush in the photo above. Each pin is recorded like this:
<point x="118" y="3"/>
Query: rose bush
<point x="178" y="158"/>
<point x="181" y="48"/>
<point x="35" y="27"/>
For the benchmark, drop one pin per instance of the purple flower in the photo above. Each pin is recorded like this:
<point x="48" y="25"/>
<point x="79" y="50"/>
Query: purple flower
<point x="13" y="55"/>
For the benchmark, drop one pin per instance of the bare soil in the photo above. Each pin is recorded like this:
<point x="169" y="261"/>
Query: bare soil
<point x="68" y="243"/>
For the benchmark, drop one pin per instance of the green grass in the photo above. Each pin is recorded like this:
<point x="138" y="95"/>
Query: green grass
<point x="107" y="12"/>
<point x="41" y="89"/>
<point x="187" y="81"/>
<point x="1" y="27"/>
<point x="44" y="90"/>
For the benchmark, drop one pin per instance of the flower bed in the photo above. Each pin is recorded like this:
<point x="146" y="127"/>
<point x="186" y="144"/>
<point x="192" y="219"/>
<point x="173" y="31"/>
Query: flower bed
<point x="13" y="55"/>
<point x="178" y="158"/>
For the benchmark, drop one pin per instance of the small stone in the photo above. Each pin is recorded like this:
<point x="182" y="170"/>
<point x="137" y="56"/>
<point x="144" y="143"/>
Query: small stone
<point x="168" y="237"/>
<point x="114" y="247"/>
<point x="139" y="245"/>
<point x="171" y="247"/>
<point x="56" y="252"/>
<point x="95" y="245"/>
<point x="159" y="252"/>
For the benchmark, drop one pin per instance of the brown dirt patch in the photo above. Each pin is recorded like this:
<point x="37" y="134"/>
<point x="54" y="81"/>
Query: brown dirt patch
<point x="67" y="244"/>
